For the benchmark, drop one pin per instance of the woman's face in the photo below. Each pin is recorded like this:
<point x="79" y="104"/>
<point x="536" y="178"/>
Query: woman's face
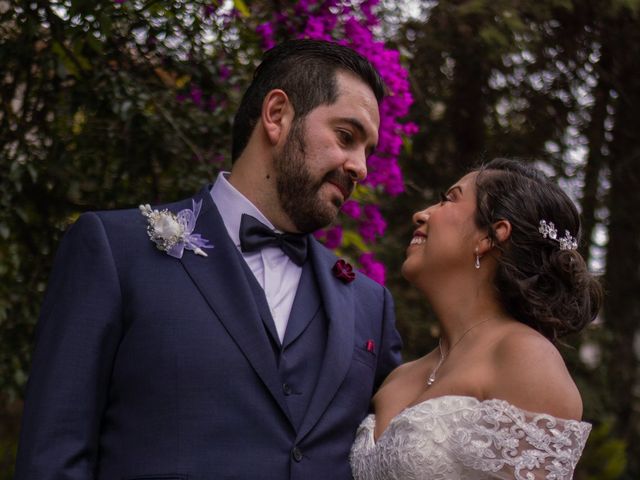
<point x="446" y="235"/>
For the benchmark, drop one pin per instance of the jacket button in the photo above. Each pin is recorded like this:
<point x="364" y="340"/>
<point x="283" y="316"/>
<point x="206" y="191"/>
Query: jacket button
<point x="296" y="453"/>
<point x="286" y="388"/>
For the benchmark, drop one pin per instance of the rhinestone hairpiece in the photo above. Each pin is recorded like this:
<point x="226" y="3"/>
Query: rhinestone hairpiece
<point x="548" y="230"/>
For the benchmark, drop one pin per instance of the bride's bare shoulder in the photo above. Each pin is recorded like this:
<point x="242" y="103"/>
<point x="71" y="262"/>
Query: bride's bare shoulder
<point x="529" y="372"/>
<point x="403" y="370"/>
<point x="408" y="374"/>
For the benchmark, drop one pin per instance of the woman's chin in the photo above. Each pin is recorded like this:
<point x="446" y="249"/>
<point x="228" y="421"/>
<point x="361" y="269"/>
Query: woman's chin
<point x="407" y="270"/>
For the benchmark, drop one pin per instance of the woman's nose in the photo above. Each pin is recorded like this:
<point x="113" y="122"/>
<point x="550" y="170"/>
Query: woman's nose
<point x="421" y="217"/>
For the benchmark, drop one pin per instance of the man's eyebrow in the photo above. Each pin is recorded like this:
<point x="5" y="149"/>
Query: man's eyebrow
<point x="354" y="122"/>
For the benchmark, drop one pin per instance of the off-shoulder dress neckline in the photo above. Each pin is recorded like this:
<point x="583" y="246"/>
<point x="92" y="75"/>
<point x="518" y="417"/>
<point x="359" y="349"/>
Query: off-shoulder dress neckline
<point x="371" y="418"/>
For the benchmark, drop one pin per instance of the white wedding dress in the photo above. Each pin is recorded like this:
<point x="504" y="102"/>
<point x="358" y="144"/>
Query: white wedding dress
<point x="463" y="438"/>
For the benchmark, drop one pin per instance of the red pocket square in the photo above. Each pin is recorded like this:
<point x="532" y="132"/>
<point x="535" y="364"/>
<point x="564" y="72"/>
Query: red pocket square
<point x="370" y="346"/>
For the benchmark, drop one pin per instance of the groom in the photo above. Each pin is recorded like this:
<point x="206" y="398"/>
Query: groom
<point x="224" y="349"/>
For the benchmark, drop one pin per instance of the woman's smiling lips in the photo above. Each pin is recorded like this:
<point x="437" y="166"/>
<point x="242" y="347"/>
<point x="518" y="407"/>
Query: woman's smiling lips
<point x="418" y="238"/>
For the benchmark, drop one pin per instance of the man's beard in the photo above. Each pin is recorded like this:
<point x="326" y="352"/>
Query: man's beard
<point x="297" y="191"/>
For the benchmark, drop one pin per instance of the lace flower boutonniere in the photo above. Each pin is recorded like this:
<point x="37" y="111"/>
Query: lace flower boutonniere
<point x="173" y="233"/>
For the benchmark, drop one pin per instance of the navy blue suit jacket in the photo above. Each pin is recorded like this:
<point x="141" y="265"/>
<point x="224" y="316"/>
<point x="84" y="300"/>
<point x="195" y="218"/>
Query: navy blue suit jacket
<point x="147" y="366"/>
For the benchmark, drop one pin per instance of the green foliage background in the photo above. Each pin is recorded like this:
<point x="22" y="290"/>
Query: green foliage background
<point x="99" y="111"/>
<point x="106" y="104"/>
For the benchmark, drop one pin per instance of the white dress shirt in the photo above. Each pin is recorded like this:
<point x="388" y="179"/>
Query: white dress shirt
<point x="275" y="272"/>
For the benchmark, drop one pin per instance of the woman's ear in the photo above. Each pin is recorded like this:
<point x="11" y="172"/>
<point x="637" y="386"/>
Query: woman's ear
<point x="502" y="229"/>
<point x="277" y="115"/>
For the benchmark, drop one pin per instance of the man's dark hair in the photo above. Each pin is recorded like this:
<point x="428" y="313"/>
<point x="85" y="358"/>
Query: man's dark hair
<point x="306" y="71"/>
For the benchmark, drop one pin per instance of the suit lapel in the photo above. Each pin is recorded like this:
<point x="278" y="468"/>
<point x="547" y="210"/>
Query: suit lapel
<point x="262" y="304"/>
<point x="337" y="298"/>
<point x="220" y="278"/>
<point x="304" y="308"/>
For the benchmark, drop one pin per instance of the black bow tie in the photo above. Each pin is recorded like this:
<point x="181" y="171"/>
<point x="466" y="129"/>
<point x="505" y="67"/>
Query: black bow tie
<point x="255" y="235"/>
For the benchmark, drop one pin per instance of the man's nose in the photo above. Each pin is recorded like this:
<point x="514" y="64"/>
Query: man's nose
<point x="356" y="166"/>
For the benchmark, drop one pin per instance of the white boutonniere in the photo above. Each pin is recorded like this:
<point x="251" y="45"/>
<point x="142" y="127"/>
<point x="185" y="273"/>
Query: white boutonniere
<point x="173" y="233"/>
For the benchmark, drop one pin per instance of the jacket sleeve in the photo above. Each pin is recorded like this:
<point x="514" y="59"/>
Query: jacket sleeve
<point x="76" y="339"/>
<point x="390" y="356"/>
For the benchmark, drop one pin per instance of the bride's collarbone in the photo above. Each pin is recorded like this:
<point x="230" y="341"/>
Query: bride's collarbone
<point x="410" y="388"/>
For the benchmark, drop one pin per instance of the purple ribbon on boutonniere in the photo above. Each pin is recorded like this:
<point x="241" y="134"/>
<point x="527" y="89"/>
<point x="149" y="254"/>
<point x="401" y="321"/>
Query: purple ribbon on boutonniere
<point x="344" y="271"/>
<point x="173" y="233"/>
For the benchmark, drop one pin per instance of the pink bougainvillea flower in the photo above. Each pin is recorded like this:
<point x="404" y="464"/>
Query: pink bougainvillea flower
<point x="372" y="268"/>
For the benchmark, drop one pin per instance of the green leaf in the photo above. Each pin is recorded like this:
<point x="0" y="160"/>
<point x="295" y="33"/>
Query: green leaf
<point x="71" y="61"/>
<point x="351" y="238"/>
<point x="64" y="59"/>
<point x="472" y="7"/>
<point x="242" y="7"/>
<point x="94" y="44"/>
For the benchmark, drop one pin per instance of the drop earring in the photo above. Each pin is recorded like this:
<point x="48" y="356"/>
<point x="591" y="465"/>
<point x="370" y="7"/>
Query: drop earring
<point x="477" y="263"/>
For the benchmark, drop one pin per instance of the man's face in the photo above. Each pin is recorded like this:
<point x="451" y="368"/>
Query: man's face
<point x="325" y="155"/>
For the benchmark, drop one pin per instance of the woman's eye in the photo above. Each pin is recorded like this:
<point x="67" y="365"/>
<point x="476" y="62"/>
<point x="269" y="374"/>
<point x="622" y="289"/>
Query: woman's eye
<point x="444" y="198"/>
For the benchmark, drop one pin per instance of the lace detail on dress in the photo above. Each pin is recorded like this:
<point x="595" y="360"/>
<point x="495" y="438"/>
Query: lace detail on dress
<point x="457" y="437"/>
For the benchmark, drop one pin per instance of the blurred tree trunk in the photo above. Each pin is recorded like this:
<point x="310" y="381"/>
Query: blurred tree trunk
<point x="468" y="105"/>
<point x="622" y="280"/>
<point x="596" y="141"/>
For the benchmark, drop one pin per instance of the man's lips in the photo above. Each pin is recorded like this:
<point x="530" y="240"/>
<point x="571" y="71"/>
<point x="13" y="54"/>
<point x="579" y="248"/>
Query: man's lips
<point x="346" y="192"/>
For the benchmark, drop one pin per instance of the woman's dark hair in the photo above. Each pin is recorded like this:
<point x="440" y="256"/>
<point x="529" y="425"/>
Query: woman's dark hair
<point x="541" y="285"/>
<point x="306" y="71"/>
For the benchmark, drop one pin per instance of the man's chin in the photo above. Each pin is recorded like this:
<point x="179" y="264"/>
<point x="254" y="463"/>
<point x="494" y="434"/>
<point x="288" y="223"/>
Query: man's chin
<point x="311" y="223"/>
<point x="334" y="193"/>
<point x="332" y="209"/>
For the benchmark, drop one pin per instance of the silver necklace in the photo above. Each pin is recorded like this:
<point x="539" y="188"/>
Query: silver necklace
<point x="443" y="356"/>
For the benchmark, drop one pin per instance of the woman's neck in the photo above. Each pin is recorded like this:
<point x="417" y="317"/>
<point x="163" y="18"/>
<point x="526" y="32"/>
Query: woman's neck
<point x="460" y="305"/>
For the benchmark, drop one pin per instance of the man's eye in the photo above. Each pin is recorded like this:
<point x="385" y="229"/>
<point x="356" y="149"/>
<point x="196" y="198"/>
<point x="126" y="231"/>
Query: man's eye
<point x="444" y="198"/>
<point x="345" y="137"/>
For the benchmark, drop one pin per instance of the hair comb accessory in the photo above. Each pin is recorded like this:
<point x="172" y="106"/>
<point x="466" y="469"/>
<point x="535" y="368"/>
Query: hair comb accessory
<point x="548" y="230"/>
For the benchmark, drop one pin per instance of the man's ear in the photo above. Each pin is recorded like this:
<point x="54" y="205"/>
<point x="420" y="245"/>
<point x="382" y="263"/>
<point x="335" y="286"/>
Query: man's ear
<point x="277" y="115"/>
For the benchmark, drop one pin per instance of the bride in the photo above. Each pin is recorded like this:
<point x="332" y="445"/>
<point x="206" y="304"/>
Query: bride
<point x="497" y="261"/>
